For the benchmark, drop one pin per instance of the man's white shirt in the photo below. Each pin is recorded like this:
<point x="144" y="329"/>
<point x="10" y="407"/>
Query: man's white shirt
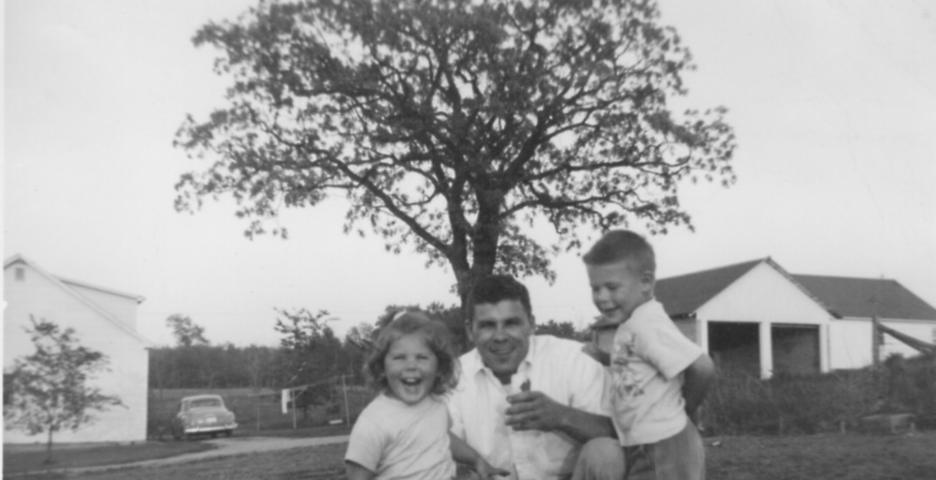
<point x="556" y="367"/>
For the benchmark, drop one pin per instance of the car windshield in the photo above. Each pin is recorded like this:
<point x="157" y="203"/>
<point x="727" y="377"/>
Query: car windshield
<point x="205" y="402"/>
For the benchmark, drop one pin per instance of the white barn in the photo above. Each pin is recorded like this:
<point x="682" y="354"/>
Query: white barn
<point x="104" y="320"/>
<point x="754" y="317"/>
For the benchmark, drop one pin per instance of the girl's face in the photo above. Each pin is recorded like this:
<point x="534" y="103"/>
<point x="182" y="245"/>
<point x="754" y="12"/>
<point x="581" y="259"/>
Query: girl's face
<point x="411" y="369"/>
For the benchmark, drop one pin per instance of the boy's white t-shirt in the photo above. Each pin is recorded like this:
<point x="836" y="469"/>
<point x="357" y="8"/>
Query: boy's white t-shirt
<point x="648" y="357"/>
<point x="399" y="441"/>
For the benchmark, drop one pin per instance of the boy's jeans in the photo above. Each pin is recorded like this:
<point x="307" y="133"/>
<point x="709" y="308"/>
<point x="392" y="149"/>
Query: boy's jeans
<point x="680" y="457"/>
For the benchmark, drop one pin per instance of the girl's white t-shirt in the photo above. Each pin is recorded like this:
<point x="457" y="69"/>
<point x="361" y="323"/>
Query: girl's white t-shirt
<point x="398" y="441"/>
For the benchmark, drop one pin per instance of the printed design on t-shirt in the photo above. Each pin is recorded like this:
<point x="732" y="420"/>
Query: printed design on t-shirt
<point x="623" y="373"/>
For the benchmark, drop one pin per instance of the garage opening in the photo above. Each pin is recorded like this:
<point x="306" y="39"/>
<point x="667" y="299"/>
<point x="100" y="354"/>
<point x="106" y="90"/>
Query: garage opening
<point x="735" y="347"/>
<point x="795" y="349"/>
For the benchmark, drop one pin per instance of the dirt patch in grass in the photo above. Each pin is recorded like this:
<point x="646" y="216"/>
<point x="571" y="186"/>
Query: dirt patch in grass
<point x="28" y="458"/>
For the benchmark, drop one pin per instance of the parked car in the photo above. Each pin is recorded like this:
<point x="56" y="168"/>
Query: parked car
<point x="203" y="414"/>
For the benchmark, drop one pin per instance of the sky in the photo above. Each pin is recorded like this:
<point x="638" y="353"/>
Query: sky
<point x="833" y="104"/>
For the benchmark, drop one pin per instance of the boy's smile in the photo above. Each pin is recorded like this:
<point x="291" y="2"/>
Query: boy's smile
<point x="617" y="290"/>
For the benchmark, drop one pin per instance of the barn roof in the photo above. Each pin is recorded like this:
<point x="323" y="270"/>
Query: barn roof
<point x="65" y="285"/>
<point x="867" y="297"/>
<point x="683" y="295"/>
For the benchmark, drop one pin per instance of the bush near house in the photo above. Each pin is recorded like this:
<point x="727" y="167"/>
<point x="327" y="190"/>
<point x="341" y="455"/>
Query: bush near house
<point x="255" y="410"/>
<point x="741" y="404"/>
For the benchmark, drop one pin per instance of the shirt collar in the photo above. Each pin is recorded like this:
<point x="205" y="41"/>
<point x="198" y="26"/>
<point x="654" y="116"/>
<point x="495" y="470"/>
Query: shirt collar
<point x="473" y="364"/>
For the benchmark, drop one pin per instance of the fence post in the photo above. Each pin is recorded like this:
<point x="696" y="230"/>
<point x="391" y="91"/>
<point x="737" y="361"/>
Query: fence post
<point x="344" y="389"/>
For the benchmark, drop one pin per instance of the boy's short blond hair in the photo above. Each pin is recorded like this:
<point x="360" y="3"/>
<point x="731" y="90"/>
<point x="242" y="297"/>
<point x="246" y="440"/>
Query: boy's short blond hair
<point x="622" y="245"/>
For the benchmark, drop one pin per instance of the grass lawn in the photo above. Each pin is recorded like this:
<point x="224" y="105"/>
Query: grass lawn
<point x="827" y="456"/>
<point x="25" y="458"/>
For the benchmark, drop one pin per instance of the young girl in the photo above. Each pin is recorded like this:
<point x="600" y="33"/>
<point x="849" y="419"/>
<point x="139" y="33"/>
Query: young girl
<point x="404" y="432"/>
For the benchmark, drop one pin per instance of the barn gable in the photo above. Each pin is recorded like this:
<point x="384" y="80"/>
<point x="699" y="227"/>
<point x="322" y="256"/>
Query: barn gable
<point x="30" y="291"/>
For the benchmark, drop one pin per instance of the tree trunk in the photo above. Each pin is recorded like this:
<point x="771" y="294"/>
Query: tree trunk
<point x="48" y="458"/>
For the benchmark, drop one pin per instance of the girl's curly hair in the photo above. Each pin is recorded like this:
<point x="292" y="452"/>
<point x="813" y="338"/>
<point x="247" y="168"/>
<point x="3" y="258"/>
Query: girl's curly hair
<point x="437" y="338"/>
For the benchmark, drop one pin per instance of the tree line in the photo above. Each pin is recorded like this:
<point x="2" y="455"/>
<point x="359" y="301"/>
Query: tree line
<point x="309" y="351"/>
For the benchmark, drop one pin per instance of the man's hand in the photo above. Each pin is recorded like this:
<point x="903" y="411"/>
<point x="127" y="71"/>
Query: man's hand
<point x="486" y="472"/>
<point x="534" y="411"/>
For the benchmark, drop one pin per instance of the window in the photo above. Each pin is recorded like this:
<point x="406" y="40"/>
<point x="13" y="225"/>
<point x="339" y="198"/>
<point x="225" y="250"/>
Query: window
<point x="20" y="274"/>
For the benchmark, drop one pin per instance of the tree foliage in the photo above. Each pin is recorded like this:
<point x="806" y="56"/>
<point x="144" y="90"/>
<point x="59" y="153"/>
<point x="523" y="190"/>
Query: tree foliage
<point x="51" y="390"/>
<point x="451" y="316"/>
<point x="452" y="125"/>
<point x="562" y="330"/>
<point x="185" y="331"/>
<point x="312" y="354"/>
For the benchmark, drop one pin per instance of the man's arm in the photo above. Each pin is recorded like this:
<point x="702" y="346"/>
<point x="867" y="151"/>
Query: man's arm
<point x="536" y="411"/>
<point x="697" y="378"/>
<point x="464" y="454"/>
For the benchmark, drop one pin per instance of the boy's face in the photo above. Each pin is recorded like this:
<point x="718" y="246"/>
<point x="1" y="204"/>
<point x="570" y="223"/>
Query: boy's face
<point x="617" y="290"/>
<point x="501" y="333"/>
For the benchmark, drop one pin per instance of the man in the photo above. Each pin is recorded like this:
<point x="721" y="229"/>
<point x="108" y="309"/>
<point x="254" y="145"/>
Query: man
<point x="530" y="405"/>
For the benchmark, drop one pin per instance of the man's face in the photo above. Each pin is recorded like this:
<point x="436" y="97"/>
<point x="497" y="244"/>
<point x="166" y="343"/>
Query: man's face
<point x="501" y="333"/>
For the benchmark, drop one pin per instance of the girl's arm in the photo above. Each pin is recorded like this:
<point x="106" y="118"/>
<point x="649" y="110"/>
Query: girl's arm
<point x="356" y="472"/>
<point x="463" y="453"/>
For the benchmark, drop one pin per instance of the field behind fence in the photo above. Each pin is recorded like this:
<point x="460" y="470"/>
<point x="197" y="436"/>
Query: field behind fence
<point x="255" y="410"/>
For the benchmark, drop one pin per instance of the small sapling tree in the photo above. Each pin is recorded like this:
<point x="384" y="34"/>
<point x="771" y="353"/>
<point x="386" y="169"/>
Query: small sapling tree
<point x="50" y="390"/>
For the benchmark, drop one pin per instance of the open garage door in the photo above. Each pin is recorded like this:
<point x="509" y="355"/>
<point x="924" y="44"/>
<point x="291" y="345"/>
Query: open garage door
<point x="795" y="349"/>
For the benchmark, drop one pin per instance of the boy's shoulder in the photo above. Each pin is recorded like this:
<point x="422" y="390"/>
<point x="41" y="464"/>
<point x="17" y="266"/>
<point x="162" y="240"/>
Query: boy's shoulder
<point x="648" y="314"/>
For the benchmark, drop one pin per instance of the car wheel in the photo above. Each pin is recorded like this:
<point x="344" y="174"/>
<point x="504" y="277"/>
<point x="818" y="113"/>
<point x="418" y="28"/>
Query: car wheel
<point x="228" y="433"/>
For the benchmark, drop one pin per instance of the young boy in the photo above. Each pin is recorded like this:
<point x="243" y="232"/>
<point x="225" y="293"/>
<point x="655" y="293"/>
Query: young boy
<point x="659" y="376"/>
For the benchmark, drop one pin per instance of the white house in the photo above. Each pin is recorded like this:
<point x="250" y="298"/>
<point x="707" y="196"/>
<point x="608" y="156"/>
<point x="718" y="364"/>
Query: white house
<point x="756" y="317"/>
<point x="104" y="320"/>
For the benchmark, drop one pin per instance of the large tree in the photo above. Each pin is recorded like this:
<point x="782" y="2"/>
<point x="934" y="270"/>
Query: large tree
<point x="451" y="125"/>
<point x="51" y="390"/>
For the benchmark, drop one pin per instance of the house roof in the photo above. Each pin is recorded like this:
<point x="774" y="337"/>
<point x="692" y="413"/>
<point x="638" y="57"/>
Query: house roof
<point x="842" y="297"/>
<point x="684" y="294"/>
<point x="64" y="285"/>
<point x="138" y="298"/>
<point x="867" y="297"/>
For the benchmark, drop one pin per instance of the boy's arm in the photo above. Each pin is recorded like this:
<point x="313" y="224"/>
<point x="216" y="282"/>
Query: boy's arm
<point x="354" y="471"/>
<point x="697" y="378"/>
<point x="464" y="454"/>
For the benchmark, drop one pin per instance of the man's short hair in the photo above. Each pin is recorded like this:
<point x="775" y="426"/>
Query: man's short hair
<point x="495" y="289"/>
<point x="622" y="245"/>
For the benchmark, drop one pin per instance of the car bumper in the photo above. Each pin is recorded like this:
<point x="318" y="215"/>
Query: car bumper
<point x="210" y="428"/>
